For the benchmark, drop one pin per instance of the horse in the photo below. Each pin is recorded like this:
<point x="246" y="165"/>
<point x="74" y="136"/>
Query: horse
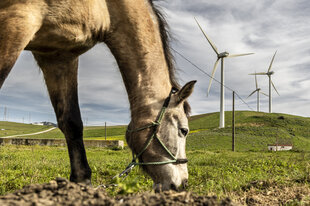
<point x="57" y="32"/>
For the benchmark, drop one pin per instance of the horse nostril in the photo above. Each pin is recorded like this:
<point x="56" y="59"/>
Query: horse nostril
<point x="185" y="183"/>
<point x="173" y="187"/>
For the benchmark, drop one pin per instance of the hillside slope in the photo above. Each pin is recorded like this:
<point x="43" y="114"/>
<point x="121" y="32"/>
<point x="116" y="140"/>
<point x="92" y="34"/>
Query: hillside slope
<point x="13" y="128"/>
<point x="254" y="131"/>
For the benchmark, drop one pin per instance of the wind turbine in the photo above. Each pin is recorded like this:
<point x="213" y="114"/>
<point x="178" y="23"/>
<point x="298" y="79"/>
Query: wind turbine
<point x="220" y="56"/>
<point x="258" y="91"/>
<point x="269" y="73"/>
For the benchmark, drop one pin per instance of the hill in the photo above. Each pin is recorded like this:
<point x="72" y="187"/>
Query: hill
<point x="90" y="132"/>
<point x="254" y="131"/>
<point x="13" y="128"/>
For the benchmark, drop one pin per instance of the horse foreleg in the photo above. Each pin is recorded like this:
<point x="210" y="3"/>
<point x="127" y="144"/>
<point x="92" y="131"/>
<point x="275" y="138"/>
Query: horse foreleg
<point x="60" y="74"/>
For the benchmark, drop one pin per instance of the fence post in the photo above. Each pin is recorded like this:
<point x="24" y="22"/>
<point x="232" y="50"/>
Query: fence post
<point x="233" y="122"/>
<point x="105" y="130"/>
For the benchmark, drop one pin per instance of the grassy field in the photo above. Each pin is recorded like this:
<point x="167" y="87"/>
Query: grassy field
<point x="222" y="173"/>
<point x="91" y="132"/>
<point x="254" y="131"/>
<point x="12" y="128"/>
<point x="213" y="168"/>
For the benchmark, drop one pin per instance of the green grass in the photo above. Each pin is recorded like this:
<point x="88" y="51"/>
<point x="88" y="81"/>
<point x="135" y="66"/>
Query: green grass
<point x="210" y="172"/>
<point x="225" y="172"/>
<point x="23" y="165"/>
<point x="213" y="168"/>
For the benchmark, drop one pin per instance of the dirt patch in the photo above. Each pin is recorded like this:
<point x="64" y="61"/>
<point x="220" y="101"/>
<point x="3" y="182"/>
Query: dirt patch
<point x="278" y="195"/>
<point x="63" y="192"/>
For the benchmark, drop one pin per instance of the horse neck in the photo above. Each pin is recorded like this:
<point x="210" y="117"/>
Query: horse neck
<point x="135" y="41"/>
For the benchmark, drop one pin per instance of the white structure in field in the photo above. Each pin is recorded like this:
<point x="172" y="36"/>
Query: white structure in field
<point x="38" y="123"/>
<point x="45" y="124"/>
<point x="279" y="147"/>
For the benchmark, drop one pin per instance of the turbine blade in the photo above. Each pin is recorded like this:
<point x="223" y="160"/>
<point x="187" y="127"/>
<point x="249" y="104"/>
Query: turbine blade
<point x="239" y="55"/>
<point x="271" y="62"/>
<point x="208" y="39"/>
<point x="256" y="81"/>
<point x="212" y="75"/>
<point x="264" y="94"/>
<point x="275" y="88"/>
<point x="252" y="93"/>
<point x="259" y="73"/>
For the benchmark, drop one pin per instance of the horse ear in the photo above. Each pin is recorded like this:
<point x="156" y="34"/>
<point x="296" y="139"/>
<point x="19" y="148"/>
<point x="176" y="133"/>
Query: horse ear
<point x="186" y="91"/>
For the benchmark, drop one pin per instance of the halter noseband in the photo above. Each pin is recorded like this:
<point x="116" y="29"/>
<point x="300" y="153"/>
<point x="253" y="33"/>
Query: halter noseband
<point x="154" y="125"/>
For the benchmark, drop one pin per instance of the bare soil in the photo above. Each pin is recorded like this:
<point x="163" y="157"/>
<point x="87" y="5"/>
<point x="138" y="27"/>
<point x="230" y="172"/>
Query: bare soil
<point x="63" y="192"/>
<point x="277" y="195"/>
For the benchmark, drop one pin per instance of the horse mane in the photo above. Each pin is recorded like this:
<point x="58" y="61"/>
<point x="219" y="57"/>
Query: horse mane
<point x="166" y="38"/>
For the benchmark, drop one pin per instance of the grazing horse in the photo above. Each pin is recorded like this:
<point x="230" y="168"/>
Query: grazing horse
<point x="57" y="32"/>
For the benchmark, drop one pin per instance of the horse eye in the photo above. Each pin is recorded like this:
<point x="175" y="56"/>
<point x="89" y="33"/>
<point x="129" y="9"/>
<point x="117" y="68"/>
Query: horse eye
<point x="184" y="131"/>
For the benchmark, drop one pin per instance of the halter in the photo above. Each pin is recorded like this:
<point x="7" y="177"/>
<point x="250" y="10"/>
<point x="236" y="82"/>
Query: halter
<point x="147" y="143"/>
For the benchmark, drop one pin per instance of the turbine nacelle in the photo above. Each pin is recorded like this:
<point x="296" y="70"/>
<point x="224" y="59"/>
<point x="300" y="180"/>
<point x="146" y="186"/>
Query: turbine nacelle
<point x="270" y="73"/>
<point x="223" y="55"/>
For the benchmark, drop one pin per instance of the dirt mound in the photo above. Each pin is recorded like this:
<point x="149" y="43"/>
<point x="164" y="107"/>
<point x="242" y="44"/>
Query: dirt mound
<point x="63" y="192"/>
<point x="278" y="195"/>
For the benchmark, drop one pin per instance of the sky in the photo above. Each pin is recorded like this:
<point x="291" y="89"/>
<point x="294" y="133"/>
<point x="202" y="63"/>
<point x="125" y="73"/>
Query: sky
<point x="239" y="26"/>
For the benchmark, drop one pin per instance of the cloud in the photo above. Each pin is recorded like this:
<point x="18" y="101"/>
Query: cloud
<point x="239" y="26"/>
<point x="235" y="26"/>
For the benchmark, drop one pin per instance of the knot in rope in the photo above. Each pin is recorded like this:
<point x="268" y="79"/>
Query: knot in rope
<point x="155" y="123"/>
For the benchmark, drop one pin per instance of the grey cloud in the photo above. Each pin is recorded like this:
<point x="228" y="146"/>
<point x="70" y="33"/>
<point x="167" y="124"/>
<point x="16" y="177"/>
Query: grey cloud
<point x="236" y="26"/>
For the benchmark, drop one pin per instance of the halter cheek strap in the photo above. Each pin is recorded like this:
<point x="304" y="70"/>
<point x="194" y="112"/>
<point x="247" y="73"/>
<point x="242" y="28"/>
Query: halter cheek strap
<point x="147" y="143"/>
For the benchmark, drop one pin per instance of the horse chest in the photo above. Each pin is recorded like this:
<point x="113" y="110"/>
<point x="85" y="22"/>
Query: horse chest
<point x="63" y="37"/>
<point x="75" y="29"/>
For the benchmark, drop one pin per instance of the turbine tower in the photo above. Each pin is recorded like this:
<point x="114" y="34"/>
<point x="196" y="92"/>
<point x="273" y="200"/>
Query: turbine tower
<point x="220" y="56"/>
<point x="258" y="90"/>
<point x="269" y="73"/>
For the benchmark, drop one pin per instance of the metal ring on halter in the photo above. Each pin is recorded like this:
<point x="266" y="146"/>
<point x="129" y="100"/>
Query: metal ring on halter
<point x="156" y="123"/>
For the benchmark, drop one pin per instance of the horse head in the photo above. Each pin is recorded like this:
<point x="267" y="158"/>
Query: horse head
<point x="160" y="145"/>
